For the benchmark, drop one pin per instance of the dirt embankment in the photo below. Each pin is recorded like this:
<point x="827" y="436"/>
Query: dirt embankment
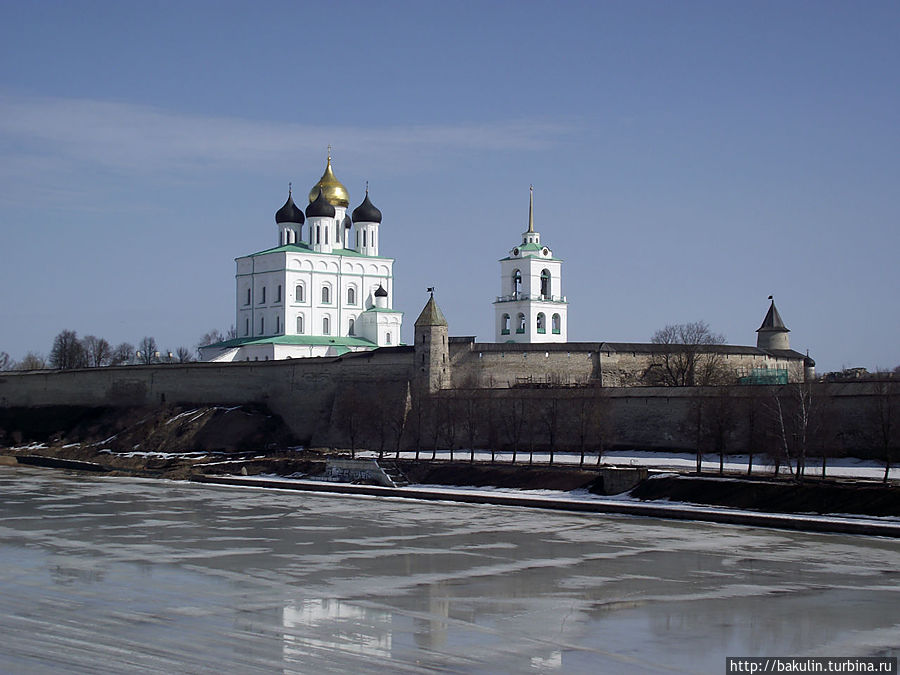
<point x="143" y="441"/>
<point x="179" y="441"/>
<point x="497" y="475"/>
<point x="782" y="496"/>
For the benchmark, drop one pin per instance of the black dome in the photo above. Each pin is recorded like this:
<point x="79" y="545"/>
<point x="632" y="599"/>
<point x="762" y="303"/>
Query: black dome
<point x="320" y="207"/>
<point x="289" y="213"/>
<point x="347" y="222"/>
<point x="380" y="292"/>
<point x="366" y="212"/>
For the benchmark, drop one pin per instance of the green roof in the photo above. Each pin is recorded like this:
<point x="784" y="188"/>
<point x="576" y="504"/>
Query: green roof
<point x="305" y="248"/>
<point x="382" y="309"/>
<point x="325" y="340"/>
<point x="509" y="257"/>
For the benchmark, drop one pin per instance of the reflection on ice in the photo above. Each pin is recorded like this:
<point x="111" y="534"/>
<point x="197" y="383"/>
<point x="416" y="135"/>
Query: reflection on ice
<point x="317" y="627"/>
<point x="113" y="575"/>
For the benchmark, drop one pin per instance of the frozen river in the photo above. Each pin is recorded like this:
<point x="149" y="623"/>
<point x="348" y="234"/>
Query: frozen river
<point x="122" y="575"/>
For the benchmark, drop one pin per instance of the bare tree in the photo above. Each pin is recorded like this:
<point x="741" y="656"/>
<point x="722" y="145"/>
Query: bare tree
<point x="5" y="361"/>
<point x="67" y="351"/>
<point x="695" y="424"/>
<point x="756" y="430"/>
<point x="147" y="351"/>
<point x="212" y="337"/>
<point x="450" y="423"/>
<point x="31" y="361"/>
<point x="824" y="429"/>
<point x="351" y="415"/>
<point x="96" y="350"/>
<point x="884" y="422"/>
<point x="585" y="417"/>
<point x="184" y="355"/>
<point x="718" y="422"/>
<point x="511" y="413"/>
<point x="398" y="422"/>
<point x="604" y="424"/>
<point x="379" y="415"/>
<point x="470" y="422"/>
<point x="687" y="356"/>
<point x="122" y="354"/>
<point x="418" y="422"/>
<point x="550" y="414"/>
<point x="793" y="407"/>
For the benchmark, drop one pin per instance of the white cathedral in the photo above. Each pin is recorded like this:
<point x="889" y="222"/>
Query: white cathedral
<point x="322" y="292"/>
<point x="326" y="291"/>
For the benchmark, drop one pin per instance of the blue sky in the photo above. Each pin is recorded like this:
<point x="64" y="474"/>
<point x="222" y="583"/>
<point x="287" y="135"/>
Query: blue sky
<point x="688" y="158"/>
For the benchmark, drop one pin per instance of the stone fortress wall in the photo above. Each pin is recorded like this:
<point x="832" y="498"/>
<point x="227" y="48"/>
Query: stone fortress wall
<point x="322" y="399"/>
<point x="493" y="365"/>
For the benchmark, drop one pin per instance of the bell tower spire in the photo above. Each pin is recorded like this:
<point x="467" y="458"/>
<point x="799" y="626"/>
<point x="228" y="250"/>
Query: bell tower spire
<point x="531" y="208"/>
<point x="531" y="306"/>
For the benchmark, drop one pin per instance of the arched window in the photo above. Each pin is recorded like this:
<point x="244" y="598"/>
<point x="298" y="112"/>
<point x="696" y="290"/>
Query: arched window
<point x="357" y="239"/>
<point x="300" y="324"/>
<point x="351" y="328"/>
<point x="520" y="323"/>
<point x="277" y="325"/>
<point x="262" y="300"/>
<point x="262" y="325"/>
<point x="299" y="293"/>
<point x="326" y="233"/>
<point x="541" y="323"/>
<point x="318" y="234"/>
<point x="246" y="327"/>
<point x="545" y="283"/>
<point x="248" y="297"/>
<point x="555" y="323"/>
<point x="351" y="296"/>
<point x="278" y="293"/>
<point x="387" y="338"/>
<point x="365" y="242"/>
<point x="504" y="325"/>
<point x="326" y="326"/>
<point x="326" y="295"/>
<point x="516" y="283"/>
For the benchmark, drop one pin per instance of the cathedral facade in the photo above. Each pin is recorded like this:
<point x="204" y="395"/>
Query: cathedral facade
<point x="324" y="290"/>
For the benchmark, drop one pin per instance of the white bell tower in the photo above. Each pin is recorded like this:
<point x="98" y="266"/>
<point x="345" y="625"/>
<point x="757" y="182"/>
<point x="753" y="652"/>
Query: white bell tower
<point x="531" y="306"/>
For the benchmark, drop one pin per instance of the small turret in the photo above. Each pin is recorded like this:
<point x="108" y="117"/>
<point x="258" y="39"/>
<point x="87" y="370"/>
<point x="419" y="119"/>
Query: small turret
<point x="366" y="221"/>
<point x="381" y="297"/>
<point x="431" y="351"/>
<point x="289" y="219"/>
<point x="809" y="368"/>
<point x="322" y="231"/>
<point x="772" y="334"/>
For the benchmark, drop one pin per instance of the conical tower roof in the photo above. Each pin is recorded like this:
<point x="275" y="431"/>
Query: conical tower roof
<point x="773" y="321"/>
<point x="431" y="315"/>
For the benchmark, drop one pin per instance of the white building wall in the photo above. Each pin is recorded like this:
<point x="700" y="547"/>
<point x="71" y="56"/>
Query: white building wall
<point x="312" y="271"/>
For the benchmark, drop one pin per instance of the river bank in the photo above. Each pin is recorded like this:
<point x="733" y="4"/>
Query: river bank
<point x="767" y="502"/>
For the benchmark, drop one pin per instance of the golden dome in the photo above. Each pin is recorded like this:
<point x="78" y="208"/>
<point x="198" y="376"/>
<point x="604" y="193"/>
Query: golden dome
<point x="334" y="190"/>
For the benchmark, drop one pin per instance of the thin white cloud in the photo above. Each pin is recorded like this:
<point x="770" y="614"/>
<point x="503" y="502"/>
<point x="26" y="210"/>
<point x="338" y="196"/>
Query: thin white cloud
<point x="123" y="136"/>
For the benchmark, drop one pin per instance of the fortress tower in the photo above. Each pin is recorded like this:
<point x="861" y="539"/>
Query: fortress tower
<point x="531" y="306"/>
<point x="772" y="334"/>
<point x="432" y="353"/>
